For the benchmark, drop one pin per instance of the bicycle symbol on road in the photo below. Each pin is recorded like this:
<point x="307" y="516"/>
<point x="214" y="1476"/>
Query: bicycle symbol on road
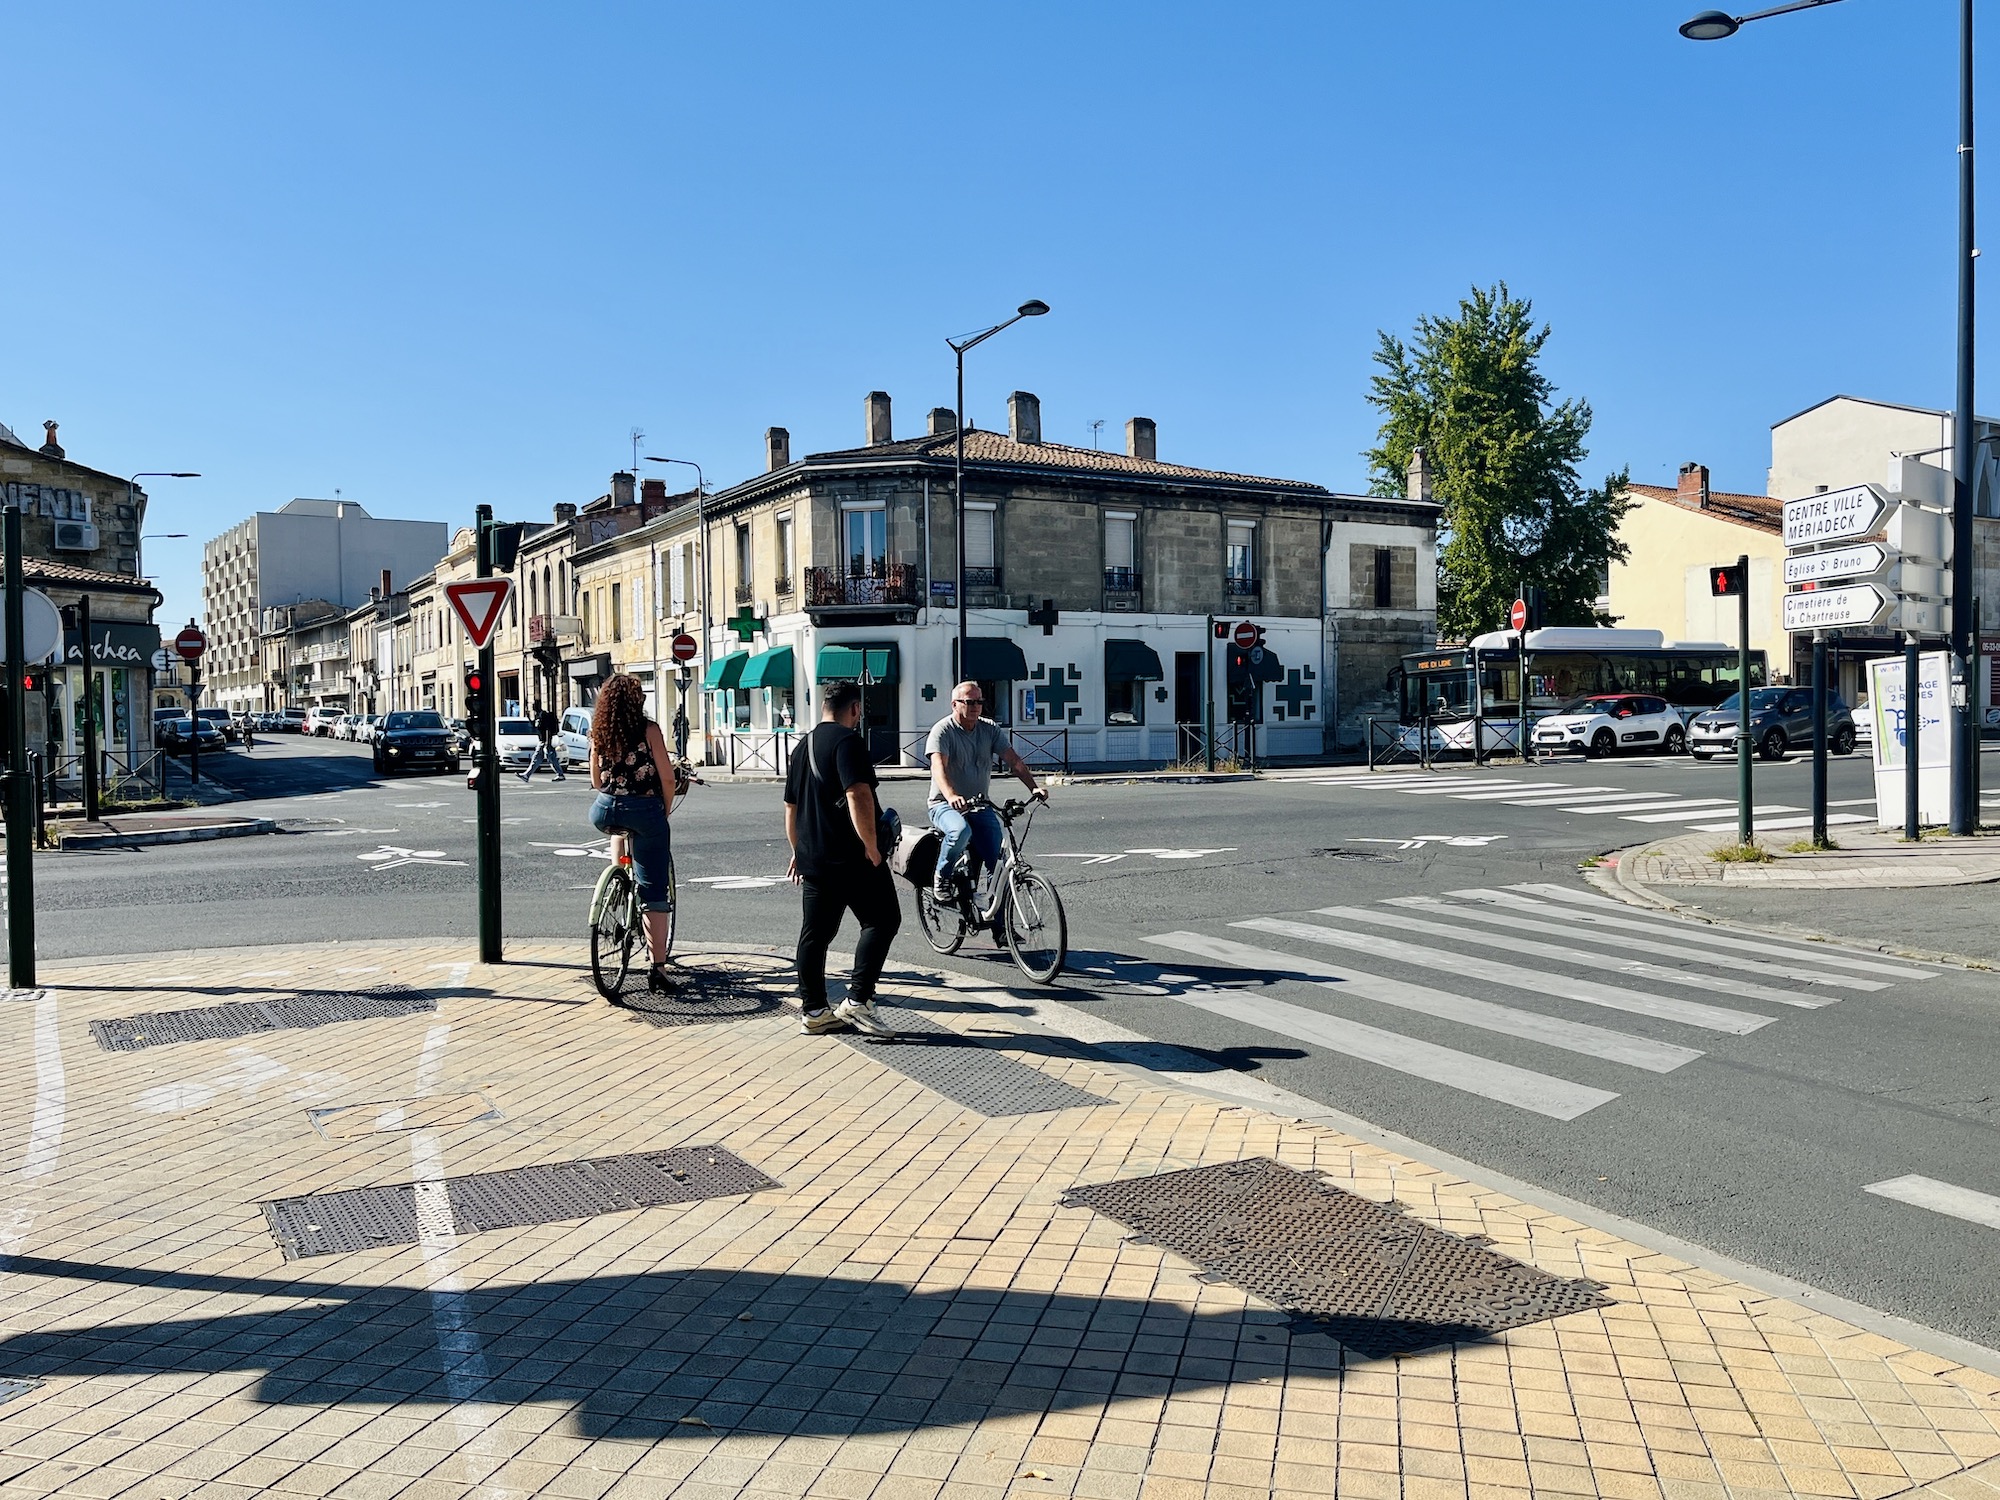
<point x="393" y="857"/>
<point x="599" y="850"/>
<point x="1449" y="840"/>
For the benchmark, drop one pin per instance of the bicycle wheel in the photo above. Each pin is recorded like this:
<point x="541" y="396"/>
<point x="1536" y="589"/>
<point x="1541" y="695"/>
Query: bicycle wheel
<point x="1037" y="931"/>
<point x="613" y="933"/>
<point x="673" y="904"/>
<point x="944" y="926"/>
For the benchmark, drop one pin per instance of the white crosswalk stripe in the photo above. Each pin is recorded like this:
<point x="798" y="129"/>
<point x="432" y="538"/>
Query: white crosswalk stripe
<point x="1598" y="800"/>
<point x="1556" y="792"/>
<point x="1685" y="815"/>
<point x="1574" y="948"/>
<point x="1941" y="1198"/>
<point x="1777" y="825"/>
<point x="1540" y="1093"/>
<point x="1656" y="806"/>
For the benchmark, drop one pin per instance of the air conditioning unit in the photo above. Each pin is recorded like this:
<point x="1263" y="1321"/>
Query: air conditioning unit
<point x="76" y="536"/>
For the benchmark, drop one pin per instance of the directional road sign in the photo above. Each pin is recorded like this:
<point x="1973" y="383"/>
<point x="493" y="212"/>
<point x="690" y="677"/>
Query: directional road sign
<point x="1835" y="516"/>
<point x="164" y="661"/>
<point x="1835" y="563"/>
<point x="41" y="627"/>
<point x="1830" y="609"/>
<point x="190" y="643"/>
<point x="477" y="602"/>
<point x="685" y="647"/>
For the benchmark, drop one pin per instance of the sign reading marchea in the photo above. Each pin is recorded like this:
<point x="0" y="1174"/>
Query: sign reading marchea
<point x="1835" y="516"/>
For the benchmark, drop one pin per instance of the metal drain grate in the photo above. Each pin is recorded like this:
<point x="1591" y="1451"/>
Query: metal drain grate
<point x="1379" y="1282"/>
<point x="967" y="1071"/>
<point x="212" y="1023"/>
<point x="367" y="1218"/>
<point x="708" y="990"/>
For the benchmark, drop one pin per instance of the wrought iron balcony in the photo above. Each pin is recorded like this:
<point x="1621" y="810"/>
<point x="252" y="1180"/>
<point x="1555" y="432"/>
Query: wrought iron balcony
<point x="1121" y="580"/>
<point x="828" y="588"/>
<point x="1242" y="588"/>
<point x="982" y="579"/>
<point x="783" y="587"/>
<point x="744" y="593"/>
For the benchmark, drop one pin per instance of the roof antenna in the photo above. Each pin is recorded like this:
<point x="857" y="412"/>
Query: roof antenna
<point x="1097" y="433"/>
<point x="638" y="437"/>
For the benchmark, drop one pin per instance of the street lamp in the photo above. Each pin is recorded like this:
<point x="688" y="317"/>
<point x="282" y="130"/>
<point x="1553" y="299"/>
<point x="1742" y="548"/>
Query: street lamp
<point x="1713" y="25"/>
<point x="700" y="604"/>
<point x="1034" y="307"/>
<point x="131" y="486"/>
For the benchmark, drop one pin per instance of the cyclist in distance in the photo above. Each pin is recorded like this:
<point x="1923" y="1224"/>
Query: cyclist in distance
<point x="961" y="748"/>
<point x="636" y="781"/>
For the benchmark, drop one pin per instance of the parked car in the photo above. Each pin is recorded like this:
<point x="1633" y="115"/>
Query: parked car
<point x="318" y="722"/>
<point x="573" y="736"/>
<point x="1602" y="724"/>
<point x="461" y="735"/>
<point x="1781" y="718"/>
<point x="162" y="717"/>
<point x="516" y="741"/>
<point x="415" y="739"/>
<point x="179" y="735"/>
<point x="292" y="720"/>
<point x="365" y="729"/>
<point x="224" y="722"/>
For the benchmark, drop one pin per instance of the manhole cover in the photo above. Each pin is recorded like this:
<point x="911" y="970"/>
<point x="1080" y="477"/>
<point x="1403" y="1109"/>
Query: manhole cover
<point x="210" y="1023"/>
<point x="709" y="989"/>
<point x="1379" y="1282"/>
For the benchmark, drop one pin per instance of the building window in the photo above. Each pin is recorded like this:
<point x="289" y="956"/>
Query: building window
<point x="1125" y="702"/>
<point x="1384" y="578"/>
<point x="980" y="551"/>
<point x="784" y="547"/>
<point x="583" y="617"/>
<point x="1242" y="554"/>
<point x="743" y="557"/>
<point x="1120" y="553"/>
<point x="617" y="617"/>
<point x="867" y="542"/>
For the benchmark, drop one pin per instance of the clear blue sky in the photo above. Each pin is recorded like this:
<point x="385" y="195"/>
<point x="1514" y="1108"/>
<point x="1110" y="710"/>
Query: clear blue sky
<point x="436" y="254"/>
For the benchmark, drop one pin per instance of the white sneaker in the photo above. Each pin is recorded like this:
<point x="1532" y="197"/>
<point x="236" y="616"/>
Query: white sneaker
<point x="860" y="1014"/>
<point x="819" y="1023"/>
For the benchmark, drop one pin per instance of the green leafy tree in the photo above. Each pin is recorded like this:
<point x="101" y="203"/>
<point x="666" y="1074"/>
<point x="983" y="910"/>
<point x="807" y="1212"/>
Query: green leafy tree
<point x="1502" y="456"/>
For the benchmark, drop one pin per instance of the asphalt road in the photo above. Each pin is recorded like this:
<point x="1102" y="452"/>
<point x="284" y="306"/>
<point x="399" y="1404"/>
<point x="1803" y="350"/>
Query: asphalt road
<point x="1741" y="1097"/>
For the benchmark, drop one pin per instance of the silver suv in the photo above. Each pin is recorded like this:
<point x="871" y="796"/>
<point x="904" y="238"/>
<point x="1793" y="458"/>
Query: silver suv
<point x="1780" y="720"/>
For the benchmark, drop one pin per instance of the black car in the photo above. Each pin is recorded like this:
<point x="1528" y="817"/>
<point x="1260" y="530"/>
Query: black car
<point x="414" y="739"/>
<point x="1780" y="720"/>
<point x="178" y="736"/>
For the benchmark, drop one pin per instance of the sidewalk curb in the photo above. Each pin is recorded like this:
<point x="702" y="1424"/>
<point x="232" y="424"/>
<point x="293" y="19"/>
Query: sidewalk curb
<point x="242" y="828"/>
<point x="1609" y="877"/>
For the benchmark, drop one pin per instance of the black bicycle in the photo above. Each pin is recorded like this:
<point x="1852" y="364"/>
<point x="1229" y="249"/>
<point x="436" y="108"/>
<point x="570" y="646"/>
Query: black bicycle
<point x="617" y="923"/>
<point x="1020" y="903"/>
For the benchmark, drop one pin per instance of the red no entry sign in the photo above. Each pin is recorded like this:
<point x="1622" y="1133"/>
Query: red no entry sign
<point x="190" y="643"/>
<point x="1245" y="634"/>
<point x="685" y="647"/>
<point x="1518" y="615"/>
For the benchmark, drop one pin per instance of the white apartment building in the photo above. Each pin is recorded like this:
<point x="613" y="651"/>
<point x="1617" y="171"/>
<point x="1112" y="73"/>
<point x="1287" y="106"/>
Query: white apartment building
<point x="309" y="549"/>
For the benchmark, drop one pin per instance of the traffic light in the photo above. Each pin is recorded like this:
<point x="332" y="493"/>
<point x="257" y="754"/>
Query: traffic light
<point x="475" y="696"/>
<point x="1221" y="629"/>
<point x="1727" y="581"/>
<point x="1260" y="637"/>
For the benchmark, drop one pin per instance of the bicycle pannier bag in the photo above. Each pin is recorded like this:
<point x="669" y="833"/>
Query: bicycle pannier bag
<point x="916" y="855"/>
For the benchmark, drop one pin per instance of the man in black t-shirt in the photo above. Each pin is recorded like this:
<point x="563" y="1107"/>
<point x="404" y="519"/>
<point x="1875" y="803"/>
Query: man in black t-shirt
<point x="830" y="822"/>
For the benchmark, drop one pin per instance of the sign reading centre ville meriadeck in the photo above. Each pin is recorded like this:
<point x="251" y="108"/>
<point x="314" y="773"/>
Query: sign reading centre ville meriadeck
<point x="1836" y="515"/>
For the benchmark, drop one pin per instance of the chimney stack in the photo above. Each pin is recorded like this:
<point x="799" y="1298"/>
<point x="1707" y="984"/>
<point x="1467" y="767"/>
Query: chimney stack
<point x="944" y="421"/>
<point x="1024" y="417"/>
<point x="777" y="449"/>
<point x="1694" y="484"/>
<point x="50" y="446"/>
<point x="1142" y="438"/>
<point x="878" y="419"/>
<point x="1417" y="478"/>
<point x="621" y="488"/>
<point x="653" y="492"/>
<point x="565" y="513"/>
<point x="386" y="590"/>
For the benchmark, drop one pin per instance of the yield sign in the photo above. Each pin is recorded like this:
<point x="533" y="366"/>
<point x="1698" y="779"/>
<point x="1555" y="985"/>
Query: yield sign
<point x="477" y="602"/>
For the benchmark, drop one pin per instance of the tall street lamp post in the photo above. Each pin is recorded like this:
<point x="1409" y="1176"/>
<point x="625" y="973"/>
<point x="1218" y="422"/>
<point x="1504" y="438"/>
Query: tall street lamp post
<point x="131" y="488"/>
<point x="1033" y="308"/>
<point x="1714" y="25"/>
<point x="700" y="604"/>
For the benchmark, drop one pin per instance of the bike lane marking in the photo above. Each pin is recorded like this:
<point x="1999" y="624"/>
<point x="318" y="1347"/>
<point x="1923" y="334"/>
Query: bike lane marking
<point x="45" y="1129"/>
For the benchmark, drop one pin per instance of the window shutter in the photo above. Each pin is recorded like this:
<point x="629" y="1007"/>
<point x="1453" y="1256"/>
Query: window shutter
<point x="1118" y="542"/>
<point x="979" y="539"/>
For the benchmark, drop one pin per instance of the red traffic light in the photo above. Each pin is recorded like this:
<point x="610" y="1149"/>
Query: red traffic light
<point x="1727" y="582"/>
<point x="475" y="682"/>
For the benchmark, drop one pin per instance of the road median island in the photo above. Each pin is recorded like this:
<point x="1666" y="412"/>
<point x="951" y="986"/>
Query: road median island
<point x="653" y="1250"/>
<point x="139" y="830"/>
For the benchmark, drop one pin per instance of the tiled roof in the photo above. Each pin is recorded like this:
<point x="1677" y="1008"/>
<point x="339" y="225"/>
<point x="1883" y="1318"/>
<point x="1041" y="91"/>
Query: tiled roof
<point x="996" y="448"/>
<point x="1760" y="512"/>
<point x="69" y="575"/>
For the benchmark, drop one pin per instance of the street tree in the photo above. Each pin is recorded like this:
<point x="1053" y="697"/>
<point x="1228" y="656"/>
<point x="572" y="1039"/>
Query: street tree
<point x="1503" y="457"/>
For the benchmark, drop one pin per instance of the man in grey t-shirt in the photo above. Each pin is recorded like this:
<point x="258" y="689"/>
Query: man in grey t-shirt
<point x="962" y="748"/>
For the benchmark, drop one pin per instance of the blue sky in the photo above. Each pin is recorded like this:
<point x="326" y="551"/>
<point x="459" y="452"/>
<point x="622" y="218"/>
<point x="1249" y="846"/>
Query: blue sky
<point x="432" y="255"/>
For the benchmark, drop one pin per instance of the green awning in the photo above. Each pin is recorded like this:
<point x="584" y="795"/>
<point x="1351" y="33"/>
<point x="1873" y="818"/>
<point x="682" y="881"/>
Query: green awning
<point x="769" y="669"/>
<point x="1131" y="661"/>
<point x="725" y="672"/>
<point x="839" y="663"/>
<point x="992" y="658"/>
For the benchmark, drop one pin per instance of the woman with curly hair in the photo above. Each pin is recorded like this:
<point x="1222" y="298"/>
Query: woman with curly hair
<point x="636" y="785"/>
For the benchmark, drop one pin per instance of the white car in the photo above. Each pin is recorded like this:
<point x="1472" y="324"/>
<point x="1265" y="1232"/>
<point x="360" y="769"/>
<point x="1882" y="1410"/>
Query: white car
<point x="366" y="728"/>
<point x="1605" y="723"/>
<point x="573" y="737"/>
<point x="516" y="741"/>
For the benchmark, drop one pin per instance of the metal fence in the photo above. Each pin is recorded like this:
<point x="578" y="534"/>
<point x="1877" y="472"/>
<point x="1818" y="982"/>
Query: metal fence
<point x="1394" y="743"/>
<point x="768" y="754"/>
<point x="1044" y="749"/>
<point x="120" y="777"/>
<point x="1233" y="742"/>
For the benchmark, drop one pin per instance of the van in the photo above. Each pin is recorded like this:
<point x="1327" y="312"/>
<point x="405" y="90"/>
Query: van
<point x="573" y="737"/>
<point x="320" y="721"/>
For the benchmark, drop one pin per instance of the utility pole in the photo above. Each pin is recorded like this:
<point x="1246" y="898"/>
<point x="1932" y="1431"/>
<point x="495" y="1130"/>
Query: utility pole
<point x="1745" y="828"/>
<point x="20" y="811"/>
<point x="90" y="807"/>
<point x="1964" y="719"/>
<point x="1819" y="741"/>
<point x="1208" y="697"/>
<point x="488" y="796"/>
<point x="1913" y="727"/>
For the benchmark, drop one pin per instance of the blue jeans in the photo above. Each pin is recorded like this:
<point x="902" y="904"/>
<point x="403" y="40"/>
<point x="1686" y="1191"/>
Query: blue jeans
<point x="545" y="755"/>
<point x="643" y="821"/>
<point x="980" y="829"/>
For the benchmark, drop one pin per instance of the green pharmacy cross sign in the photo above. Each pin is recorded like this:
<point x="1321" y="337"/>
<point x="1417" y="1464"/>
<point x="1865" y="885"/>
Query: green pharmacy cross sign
<point x="745" y="624"/>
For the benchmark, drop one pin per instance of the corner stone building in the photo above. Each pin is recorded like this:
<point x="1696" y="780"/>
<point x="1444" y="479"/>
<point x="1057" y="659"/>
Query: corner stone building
<point x="1091" y="580"/>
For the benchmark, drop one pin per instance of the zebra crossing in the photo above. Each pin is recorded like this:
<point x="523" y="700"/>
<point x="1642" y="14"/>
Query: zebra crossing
<point x="1505" y="1030"/>
<point x="1667" y="811"/>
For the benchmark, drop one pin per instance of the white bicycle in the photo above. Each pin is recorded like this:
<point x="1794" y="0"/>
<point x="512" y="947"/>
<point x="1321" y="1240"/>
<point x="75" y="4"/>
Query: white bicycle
<point x="1022" y="904"/>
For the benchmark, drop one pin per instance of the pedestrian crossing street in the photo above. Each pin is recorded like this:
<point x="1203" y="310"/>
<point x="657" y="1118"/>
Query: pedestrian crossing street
<point x="1507" y="963"/>
<point x="1668" y="811"/>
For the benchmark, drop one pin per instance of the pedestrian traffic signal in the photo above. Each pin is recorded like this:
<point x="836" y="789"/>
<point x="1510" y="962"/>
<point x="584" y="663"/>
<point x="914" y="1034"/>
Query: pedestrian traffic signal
<point x="475" y="696"/>
<point x="1221" y="629"/>
<point x="1726" y="582"/>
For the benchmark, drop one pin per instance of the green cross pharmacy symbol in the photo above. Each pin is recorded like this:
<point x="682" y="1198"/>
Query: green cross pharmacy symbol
<point x="745" y="624"/>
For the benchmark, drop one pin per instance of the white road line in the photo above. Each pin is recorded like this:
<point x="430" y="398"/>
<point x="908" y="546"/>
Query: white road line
<point x="1459" y="786"/>
<point x="1656" y="805"/>
<point x="1536" y="981"/>
<point x="1941" y="1198"/>
<point x="1593" y="804"/>
<point x="1538" y="1093"/>
<point x="45" y="1127"/>
<point x="1505" y="1020"/>
<point x="1660" y="974"/>
<point x="1554" y="791"/>
<point x="1707" y="937"/>
<point x="1684" y="816"/>
<point x="1773" y="825"/>
<point x="1826" y="956"/>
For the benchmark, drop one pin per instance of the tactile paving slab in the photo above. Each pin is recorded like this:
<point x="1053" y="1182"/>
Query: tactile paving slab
<point x="1378" y="1281"/>
<point x="966" y="1070"/>
<point x="210" y="1023"/>
<point x="350" y="1219"/>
